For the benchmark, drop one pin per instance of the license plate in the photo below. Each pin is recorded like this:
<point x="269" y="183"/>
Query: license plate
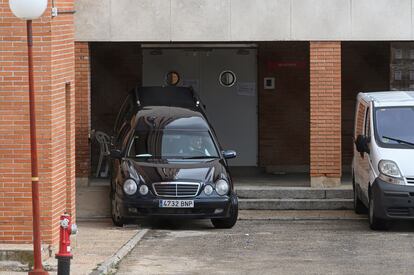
<point x="176" y="204"/>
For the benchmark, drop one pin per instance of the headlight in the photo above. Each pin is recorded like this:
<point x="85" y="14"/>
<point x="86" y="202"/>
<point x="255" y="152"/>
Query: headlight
<point x="222" y="187"/>
<point x="389" y="172"/>
<point x="208" y="189"/>
<point x="143" y="189"/>
<point x="130" y="187"/>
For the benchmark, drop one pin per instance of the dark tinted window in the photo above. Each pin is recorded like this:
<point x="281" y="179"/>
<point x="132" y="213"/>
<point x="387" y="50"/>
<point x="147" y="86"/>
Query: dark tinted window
<point x="123" y="124"/>
<point x="121" y="115"/>
<point x="172" y="144"/>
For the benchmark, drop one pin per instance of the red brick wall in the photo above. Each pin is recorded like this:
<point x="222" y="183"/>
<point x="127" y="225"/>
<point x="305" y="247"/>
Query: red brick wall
<point x="284" y="111"/>
<point x="325" y="109"/>
<point x="83" y="109"/>
<point x="54" y="67"/>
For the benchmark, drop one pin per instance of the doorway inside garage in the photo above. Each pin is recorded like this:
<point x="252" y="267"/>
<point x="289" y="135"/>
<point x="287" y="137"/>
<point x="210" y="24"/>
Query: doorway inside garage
<point x="225" y="78"/>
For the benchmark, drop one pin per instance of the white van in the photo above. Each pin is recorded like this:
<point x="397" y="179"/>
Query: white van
<point x="383" y="163"/>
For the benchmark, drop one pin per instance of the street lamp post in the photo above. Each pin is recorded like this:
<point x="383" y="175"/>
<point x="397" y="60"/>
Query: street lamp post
<point x="29" y="10"/>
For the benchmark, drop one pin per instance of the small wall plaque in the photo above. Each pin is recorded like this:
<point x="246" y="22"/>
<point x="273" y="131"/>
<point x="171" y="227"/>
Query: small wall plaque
<point x="269" y="83"/>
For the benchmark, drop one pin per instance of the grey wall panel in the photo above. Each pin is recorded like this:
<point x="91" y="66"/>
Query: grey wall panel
<point x="143" y="20"/>
<point x="232" y="112"/>
<point x="381" y="19"/>
<point x="412" y="19"/>
<point x="321" y="19"/>
<point x="243" y="20"/>
<point x="200" y="20"/>
<point x="265" y="20"/>
<point x="92" y="20"/>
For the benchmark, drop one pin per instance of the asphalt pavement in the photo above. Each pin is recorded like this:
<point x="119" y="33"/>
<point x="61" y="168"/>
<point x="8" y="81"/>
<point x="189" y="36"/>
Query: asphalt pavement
<point x="272" y="246"/>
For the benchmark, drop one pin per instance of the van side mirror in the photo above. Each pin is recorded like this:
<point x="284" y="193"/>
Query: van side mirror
<point x="361" y="144"/>
<point x="229" y="154"/>
<point x="116" y="154"/>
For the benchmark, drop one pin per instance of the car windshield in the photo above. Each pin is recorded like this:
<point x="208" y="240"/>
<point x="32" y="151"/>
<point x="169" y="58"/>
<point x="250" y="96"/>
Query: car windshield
<point x="172" y="144"/>
<point x="394" y="126"/>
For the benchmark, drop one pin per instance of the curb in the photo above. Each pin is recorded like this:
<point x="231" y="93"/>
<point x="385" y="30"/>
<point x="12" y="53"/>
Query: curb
<point x="302" y="219"/>
<point x="112" y="261"/>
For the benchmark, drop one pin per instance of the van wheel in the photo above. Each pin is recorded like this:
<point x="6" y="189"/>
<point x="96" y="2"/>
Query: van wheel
<point x="232" y="219"/>
<point x="375" y="223"/>
<point x="359" y="206"/>
<point x="117" y="219"/>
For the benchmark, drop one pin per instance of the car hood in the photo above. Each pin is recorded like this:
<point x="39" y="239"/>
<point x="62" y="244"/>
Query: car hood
<point x="205" y="171"/>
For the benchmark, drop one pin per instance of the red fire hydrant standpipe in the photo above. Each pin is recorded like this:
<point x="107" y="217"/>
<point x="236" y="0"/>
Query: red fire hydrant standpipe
<point x="64" y="256"/>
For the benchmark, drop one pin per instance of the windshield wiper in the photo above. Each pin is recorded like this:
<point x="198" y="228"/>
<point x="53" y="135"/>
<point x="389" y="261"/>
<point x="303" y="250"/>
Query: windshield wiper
<point x="200" y="157"/>
<point x="399" y="140"/>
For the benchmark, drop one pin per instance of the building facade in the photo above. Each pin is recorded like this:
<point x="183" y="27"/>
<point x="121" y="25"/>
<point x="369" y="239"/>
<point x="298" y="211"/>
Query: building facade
<point x="298" y="63"/>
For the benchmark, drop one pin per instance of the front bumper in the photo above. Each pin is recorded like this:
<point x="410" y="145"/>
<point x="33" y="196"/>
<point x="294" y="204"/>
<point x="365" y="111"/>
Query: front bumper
<point x="393" y="201"/>
<point x="204" y="208"/>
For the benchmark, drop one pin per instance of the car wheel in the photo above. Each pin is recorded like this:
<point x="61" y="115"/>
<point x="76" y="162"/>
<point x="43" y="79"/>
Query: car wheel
<point x="375" y="223"/>
<point x="230" y="221"/>
<point x="117" y="219"/>
<point x="359" y="206"/>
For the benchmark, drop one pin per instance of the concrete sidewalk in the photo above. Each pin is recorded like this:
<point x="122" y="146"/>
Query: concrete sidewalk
<point x="96" y="241"/>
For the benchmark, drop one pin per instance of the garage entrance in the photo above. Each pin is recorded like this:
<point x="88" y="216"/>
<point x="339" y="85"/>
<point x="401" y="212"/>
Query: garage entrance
<point x="225" y="79"/>
<point x="256" y="97"/>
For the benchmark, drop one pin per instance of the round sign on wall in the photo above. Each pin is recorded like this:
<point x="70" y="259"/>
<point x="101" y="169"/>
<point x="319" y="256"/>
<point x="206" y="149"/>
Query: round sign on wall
<point x="227" y="78"/>
<point x="172" y="78"/>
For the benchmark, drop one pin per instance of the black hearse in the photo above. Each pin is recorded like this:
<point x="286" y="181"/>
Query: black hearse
<point x="166" y="160"/>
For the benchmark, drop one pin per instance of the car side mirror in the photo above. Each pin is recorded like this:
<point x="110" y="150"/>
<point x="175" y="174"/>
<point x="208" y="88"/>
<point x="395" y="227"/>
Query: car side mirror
<point x="229" y="154"/>
<point x="361" y="144"/>
<point x="116" y="154"/>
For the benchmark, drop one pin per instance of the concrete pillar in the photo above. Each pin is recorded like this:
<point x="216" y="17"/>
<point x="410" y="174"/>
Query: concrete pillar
<point x="83" y="112"/>
<point x="54" y="86"/>
<point x="325" y="114"/>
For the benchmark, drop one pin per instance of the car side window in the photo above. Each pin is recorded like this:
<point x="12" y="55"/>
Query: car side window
<point x="124" y="123"/>
<point x="122" y="134"/>
<point x="367" y="131"/>
<point x="121" y="115"/>
<point x="359" y="123"/>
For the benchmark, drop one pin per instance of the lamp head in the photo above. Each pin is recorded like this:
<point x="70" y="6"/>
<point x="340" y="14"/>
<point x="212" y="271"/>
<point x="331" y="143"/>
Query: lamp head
<point x="28" y="9"/>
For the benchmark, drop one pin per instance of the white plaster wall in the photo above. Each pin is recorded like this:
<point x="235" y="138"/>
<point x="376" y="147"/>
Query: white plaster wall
<point x="376" y="20"/>
<point x="321" y="20"/>
<point x="243" y="20"/>
<point x="270" y="20"/>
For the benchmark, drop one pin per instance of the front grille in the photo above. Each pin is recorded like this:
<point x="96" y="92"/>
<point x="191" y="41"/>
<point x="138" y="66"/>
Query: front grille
<point x="410" y="180"/>
<point x="176" y="189"/>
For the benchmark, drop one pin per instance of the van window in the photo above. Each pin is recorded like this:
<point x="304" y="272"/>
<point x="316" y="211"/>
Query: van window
<point x="367" y="131"/>
<point x="393" y="126"/>
<point x="359" y="123"/>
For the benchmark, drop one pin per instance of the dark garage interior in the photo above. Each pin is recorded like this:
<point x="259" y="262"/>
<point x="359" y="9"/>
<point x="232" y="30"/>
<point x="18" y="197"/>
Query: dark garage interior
<point x="365" y="68"/>
<point x="116" y="68"/>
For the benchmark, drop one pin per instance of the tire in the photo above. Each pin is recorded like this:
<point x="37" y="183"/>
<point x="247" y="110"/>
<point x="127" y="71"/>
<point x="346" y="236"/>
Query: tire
<point x="375" y="223"/>
<point x="359" y="206"/>
<point x="117" y="219"/>
<point x="230" y="221"/>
